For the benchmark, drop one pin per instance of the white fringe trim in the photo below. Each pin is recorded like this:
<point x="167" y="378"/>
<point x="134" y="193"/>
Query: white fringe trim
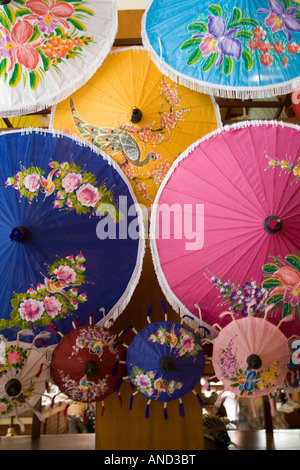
<point x="244" y="93"/>
<point x="174" y="301"/>
<point x="122" y="303"/>
<point x="48" y="103"/>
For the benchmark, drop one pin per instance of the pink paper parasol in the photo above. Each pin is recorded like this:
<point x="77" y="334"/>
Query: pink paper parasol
<point x="250" y="357"/>
<point x="213" y="223"/>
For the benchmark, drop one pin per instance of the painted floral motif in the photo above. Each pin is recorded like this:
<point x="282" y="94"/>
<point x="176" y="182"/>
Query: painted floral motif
<point x="184" y="342"/>
<point x="246" y="380"/>
<point x="238" y="297"/>
<point x="152" y="385"/>
<point x="5" y="407"/>
<point x="51" y="299"/>
<point x="126" y="140"/>
<point x="270" y="52"/>
<point x="281" y="19"/>
<point x="38" y="35"/>
<point x="73" y="187"/>
<point x="94" y="339"/>
<point x="15" y="357"/>
<point x="155" y="133"/>
<point x="169" y="118"/>
<point x="84" y="390"/>
<point x="283" y="284"/>
<point x="225" y="38"/>
<point x="286" y="165"/>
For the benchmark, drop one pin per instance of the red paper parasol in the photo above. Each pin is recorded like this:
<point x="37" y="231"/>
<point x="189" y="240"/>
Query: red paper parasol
<point x="84" y="362"/>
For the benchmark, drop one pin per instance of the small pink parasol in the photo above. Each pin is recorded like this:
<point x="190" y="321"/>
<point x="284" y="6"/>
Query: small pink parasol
<point x="251" y="357"/>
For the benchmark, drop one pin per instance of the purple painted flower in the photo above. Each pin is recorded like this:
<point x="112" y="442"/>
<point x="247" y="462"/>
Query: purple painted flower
<point x="47" y="24"/>
<point x="143" y="381"/>
<point x="280" y="18"/>
<point x="6" y="47"/>
<point x="217" y="38"/>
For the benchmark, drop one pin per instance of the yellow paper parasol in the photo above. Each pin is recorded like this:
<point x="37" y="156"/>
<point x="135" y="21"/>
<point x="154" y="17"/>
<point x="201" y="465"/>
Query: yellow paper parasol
<point x="142" y="119"/>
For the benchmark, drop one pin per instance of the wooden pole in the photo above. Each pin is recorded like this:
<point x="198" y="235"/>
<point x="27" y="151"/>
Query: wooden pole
<point x="122" y="429"/>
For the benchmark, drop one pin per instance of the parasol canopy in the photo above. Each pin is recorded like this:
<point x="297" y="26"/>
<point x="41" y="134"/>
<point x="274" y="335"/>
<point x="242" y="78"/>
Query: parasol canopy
<point x="48" y="49"/>
<point x="220" y="215"/>
<point x="234" y="49"/>
<point x="250" y="357"/>
<point x="139" y="117"/>
<point x="83" y="363"/>
<point x="66" y="247"/>
<point x="164" y="362"/>
<point x="23" y="378"/>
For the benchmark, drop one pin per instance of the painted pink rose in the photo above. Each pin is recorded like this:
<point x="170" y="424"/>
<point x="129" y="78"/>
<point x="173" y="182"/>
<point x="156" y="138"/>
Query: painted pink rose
<point x="88" y="195"/>
<point x="31" y="310"/>
<point x="65" y="273"/>
<point x="3" y="408"/>
<point x="187" y="344"/>
<point x="52" y="306"/>
<point x="143" y="381"/>
<point x="71" y="181"/>
<point x="14" y="357"/>
<point x="32" y="182"/>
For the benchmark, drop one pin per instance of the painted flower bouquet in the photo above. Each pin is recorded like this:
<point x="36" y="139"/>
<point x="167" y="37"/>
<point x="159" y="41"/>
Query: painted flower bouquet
<point x="39" y="35"/>
<point x="280" y="288"/>
<point x="246" y="380"/>
<point x="73" y="188"/>
<point x="286" y="165"/>
<point x="184" y="342"/>
<point x="283" y="284"/>
<point x="152" y="386"/>
<point x="224" y="38"/>
<point x="51" y="299"/>
<point x="237" y="297"/>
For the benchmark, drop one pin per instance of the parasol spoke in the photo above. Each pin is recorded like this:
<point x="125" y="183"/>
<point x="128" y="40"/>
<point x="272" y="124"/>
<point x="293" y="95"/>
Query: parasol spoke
<point x="249" y="213"/>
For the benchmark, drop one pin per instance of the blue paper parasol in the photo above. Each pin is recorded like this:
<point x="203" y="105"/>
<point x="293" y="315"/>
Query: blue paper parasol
<point x="66" y="251"/>
<point x="236" y="49"/>
<point x="164" y="362"/>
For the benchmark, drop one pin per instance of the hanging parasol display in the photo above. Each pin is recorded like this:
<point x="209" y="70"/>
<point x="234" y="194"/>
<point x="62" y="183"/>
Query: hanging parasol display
<point x="250" y="357"/>
<point x="72" y="240"/>
<point x="85" y="363"/>
<point x="233" y="49"/>
<point x="143" y="120"/>
<point x="164" y="362"/>
<point x="231" y="214"/>
<point x="23" y="378"/>
<point x="48" y="49"/>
